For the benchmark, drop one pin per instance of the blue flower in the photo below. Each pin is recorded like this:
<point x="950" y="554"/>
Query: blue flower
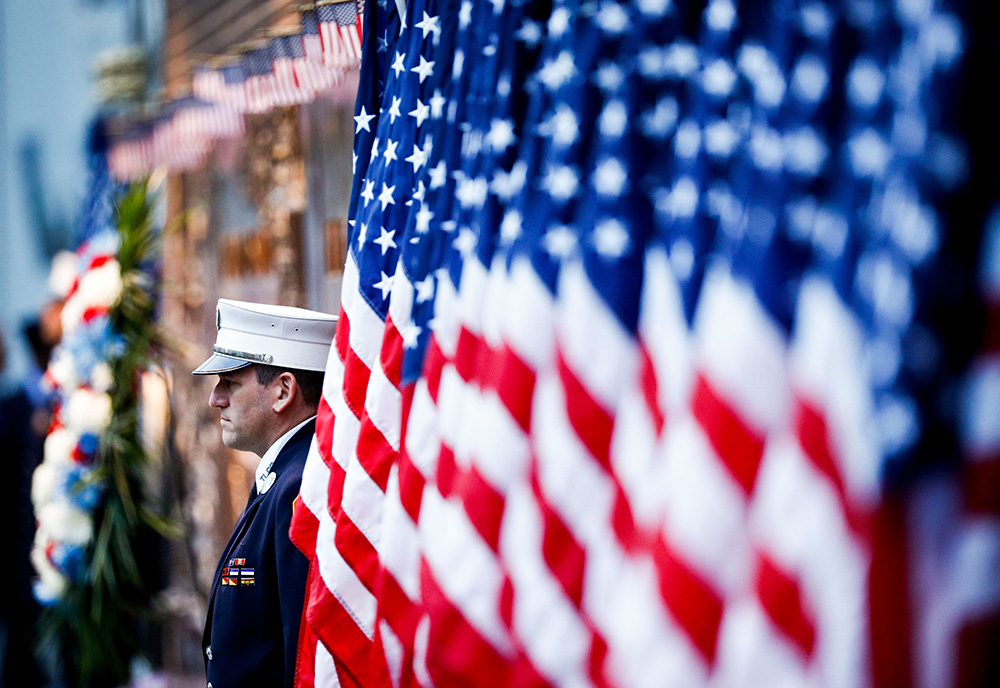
<point x="71" y="561"/>
<point x="82" y="489"/>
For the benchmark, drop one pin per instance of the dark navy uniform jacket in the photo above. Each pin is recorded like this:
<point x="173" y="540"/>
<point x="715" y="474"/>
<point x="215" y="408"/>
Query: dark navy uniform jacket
<point x="254" y="613"/>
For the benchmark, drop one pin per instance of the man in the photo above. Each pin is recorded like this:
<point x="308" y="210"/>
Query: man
<point x="270" y="362"/>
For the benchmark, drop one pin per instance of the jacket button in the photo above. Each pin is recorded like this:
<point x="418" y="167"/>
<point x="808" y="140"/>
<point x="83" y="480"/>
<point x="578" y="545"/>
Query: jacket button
<point x="208" y="652"/>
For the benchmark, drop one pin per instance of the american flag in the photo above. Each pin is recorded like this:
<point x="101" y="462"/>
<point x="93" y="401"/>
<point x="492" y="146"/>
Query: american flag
<point x="640" y="378"/>
<point x="340" y="32"/>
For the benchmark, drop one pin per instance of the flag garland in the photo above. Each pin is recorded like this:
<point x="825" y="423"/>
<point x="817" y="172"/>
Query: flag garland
<point x="292" y="68"/>
<point x="638" y="345"/>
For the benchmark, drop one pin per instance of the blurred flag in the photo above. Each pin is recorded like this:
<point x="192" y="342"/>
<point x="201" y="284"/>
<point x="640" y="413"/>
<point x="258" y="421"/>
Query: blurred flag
<point x="643" y="366"/>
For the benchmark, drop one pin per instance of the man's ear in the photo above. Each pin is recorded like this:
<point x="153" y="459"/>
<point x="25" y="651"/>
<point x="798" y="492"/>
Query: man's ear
<point x="286" y="390"/>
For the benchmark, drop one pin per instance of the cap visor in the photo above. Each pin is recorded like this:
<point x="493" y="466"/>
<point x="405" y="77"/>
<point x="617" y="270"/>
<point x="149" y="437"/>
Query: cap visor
<point x="217" y="363"/>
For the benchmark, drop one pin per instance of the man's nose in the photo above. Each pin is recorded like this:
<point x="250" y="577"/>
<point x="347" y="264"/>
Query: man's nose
<point x="217" y="399"/>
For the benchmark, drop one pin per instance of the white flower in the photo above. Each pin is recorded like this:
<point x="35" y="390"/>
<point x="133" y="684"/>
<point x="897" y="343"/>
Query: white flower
<point x="59" y="446"/>
<point x="51" y="584"/>
<point x="100" y="377"/>
<point x="64" y="271"/>
<point x="62" y="369"/>
<point x="101" y="286"/>
<point x="72" y="313"/>
<point x="87" y="411"/>
<point x="66" y="523"/>
<point x="43" y="483"/>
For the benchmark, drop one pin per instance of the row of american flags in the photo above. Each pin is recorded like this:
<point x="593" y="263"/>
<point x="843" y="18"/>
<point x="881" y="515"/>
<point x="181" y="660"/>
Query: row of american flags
<point x="291" y="68"/>
<point x="667" y="350"/>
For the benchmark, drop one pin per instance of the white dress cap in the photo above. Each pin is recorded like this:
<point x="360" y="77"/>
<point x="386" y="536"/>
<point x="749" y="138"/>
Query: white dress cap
<point x="281" y="336"/>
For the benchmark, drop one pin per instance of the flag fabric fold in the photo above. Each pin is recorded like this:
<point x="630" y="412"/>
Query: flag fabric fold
<point x="641" y="359"/>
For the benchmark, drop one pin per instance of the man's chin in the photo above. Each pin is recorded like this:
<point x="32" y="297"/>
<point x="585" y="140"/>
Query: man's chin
<point x="229" y="439"/>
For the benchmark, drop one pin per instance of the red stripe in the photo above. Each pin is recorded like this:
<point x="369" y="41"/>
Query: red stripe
<point x="567" y="559"/>
<point x="356" y="550"/>
<point x="411" y="481"/>
<point x="650" y="388"/>
<point x="978" y="662"/>
<point x="991" y="337"/>
<point x="469" y="356"/>
<point x="411" y="486"/>
<point x="374" y="453"/>
<point x="324" y="430"/>
<point x="598" y="657"/>
<point x="736" y="444"/>
<point x="304" y="528"/>
<point x="624" y="525"/>
<point x="459" y="655"/>
<point x="305" y="656"/>
<point x="888" y="598"/>
<point x="564" y="555"/>
<point x="342" y="335"/>
<point x="781" y="597"/>
<point x="356" y="375"/>
<point x="499" y="369"/>
<point x="515" y="384"/>
<point x="814" y="438"/>
<point x="483" y="505"/>
<point x="391" y="353"/>
<point x="343" y="638"/>
<point x="335" y="488"/>
<point x="434" y="361"/>
<point x="507" y="602"/>
<point x="696" y="607"/>
<point x="398" y="610"/>
<point x="981" y="486"/>
<point x="591" y="423"/>
<point x="447" y="471"/>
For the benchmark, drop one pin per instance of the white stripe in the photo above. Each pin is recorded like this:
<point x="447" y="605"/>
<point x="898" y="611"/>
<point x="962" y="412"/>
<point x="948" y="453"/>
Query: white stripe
<point x="752" y="653"/>
<point x="341" y="580"/>
<point x="527" y="320"/>
<point x="384" y="404"/>
<point x="393" y="650"/>
<point x="366" y="325"/>
<point x="503" y="451"/>
<point x="576" y="486"/>
<point x="362" y="501"/>
<point x="826" y="366"/>
<point x="464" y="567"/>
<point x="336" y="574"/>
<point x="664" y="330"/>
<point x="423" y="442"/>
<point x="326" y="671"/>
<point x="399" y="551"/>
<point x="646" y="649"/>
<point x="545" y="621"/>
<point x="703" y="506"/>
<point x="742" y="350"/>
<point x="597" y="348"/>
<point x="634" y="452"/>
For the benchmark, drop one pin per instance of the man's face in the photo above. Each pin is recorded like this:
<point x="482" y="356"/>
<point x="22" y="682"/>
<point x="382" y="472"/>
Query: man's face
<point x="245" y="409"/>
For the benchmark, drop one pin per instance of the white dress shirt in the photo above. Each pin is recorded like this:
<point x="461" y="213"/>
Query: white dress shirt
<point x="262" y="475"/>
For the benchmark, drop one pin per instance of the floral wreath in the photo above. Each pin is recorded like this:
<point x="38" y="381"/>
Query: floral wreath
<point x="87" y="492"/>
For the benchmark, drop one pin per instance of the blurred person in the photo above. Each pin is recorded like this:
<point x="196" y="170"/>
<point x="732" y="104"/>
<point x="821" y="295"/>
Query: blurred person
<point x="20" y="453"/>
<point x="270" y="362"/>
